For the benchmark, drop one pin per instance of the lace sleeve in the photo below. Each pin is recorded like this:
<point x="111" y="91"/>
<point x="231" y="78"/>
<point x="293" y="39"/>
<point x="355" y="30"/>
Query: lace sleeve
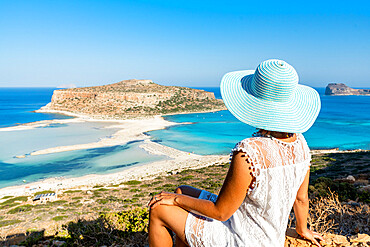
<point x="251" y="154"/>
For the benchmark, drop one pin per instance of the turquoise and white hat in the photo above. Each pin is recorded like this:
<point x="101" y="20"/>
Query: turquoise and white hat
<point x="270" y="98"/>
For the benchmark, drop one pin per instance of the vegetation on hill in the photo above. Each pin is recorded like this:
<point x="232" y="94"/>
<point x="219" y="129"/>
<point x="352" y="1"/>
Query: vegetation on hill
<point x="117" y="214"/>
<point x="133" y="98"/>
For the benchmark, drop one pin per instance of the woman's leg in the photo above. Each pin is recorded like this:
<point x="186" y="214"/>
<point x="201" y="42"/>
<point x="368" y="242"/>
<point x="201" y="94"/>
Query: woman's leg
<point x="164" y="218"/>
<point x="188" y="190"/>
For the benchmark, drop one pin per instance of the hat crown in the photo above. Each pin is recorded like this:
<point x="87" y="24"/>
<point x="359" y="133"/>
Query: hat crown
<point x="274" y="80"/>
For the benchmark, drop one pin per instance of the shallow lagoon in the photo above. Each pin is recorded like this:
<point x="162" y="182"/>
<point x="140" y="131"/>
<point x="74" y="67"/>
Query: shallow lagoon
<point x="67" y="164"/>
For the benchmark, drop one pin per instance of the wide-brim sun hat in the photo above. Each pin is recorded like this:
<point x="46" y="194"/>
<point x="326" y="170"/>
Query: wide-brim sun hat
<point x="270" y="98"/>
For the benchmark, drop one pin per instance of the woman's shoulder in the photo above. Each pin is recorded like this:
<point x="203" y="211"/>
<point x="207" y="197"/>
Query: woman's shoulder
<point x="247" y="144"/>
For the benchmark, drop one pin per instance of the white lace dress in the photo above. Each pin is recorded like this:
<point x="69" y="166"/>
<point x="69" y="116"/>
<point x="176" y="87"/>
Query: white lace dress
<point x="279" y="169"/>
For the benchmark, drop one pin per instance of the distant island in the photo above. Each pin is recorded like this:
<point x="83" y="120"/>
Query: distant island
<point x="132" y="98"/>
<point x="343" y="89"/>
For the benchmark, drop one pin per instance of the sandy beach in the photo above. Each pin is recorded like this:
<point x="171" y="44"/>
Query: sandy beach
<point x="129" y="130"/>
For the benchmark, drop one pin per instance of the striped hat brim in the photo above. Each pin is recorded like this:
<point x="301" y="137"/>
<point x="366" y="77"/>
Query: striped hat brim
<point x="296" y="115"/>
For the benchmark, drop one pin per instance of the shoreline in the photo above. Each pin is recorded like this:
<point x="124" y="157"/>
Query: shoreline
<point x="129" y="130"/>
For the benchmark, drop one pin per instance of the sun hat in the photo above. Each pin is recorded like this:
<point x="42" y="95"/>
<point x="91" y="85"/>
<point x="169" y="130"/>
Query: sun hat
<point x="270" y="98"/>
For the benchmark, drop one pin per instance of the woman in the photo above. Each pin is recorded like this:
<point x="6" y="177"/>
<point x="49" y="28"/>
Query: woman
<point x="268" y="173"/>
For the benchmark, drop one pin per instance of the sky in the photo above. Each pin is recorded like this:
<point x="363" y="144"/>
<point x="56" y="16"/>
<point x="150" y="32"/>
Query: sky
<point x="187" y="43"/>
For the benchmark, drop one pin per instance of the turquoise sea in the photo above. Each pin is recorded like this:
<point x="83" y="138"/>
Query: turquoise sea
<point x="344" y="122"/>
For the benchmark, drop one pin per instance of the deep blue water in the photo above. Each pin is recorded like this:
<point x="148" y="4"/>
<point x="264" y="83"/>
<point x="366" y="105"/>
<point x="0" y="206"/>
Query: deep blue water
<point x="344" y="123"/>
<point x="17" y="104"/>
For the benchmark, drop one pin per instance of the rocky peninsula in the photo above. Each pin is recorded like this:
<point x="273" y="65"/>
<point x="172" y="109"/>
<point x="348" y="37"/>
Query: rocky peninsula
<point x="343" y="89"/>
<point x="132" y="98"/>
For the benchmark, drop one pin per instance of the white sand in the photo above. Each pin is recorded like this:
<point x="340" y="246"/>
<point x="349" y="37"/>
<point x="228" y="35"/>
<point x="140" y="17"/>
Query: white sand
<point x="178" y="161"/>
<point x="129" y="130"/>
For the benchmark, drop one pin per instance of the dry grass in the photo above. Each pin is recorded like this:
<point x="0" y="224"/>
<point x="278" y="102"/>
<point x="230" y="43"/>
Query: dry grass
<point x="329" y="215"/>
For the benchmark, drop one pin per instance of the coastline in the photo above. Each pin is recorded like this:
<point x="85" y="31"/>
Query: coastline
<point x="176" y="162"/>
<point x="129" y="130"/>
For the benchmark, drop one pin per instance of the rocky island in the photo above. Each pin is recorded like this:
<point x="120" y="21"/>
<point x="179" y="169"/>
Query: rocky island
<point x="132" y="98"/>
<point x="343" y="89"/>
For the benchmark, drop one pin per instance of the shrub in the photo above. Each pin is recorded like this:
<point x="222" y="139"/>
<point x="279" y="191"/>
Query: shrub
<point x="323" y="186"/>
<point x="9" y="222"/>
<point x="129" y="228"/>
<point x="135" y="220"/>
<point x="19" y="198"/>
<point x="132" y="182"/>
<point x="19" y="209"/>
<point x="59" y="218"/>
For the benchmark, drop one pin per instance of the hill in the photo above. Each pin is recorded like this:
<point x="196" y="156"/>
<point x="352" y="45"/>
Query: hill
<point x="343" y="89"/>
<point x="132" y="98"/>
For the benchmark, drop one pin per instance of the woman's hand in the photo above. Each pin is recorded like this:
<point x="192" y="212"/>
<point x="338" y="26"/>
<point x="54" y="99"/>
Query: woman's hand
<point x="311" y="235"/>
<point x="163" y="198"/>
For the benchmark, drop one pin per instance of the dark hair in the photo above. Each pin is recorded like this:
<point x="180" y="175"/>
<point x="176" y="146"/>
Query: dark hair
<point x="259" y="131"/>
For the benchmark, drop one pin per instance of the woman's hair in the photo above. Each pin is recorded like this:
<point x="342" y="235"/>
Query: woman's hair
<point x="268" y="132"/>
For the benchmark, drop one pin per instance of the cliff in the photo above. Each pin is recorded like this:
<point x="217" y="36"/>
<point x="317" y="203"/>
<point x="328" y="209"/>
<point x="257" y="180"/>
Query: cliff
<point x="132" y="98"/>
<point x="343" y="89"/>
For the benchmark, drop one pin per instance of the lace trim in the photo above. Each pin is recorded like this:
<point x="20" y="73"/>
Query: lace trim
<point x="267" y="152"/>
<point x="194" y="228"/>
<point x="255" y="169"/>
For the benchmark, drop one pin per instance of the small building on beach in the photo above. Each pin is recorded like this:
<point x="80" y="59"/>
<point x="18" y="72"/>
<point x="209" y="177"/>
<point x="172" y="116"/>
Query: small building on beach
<point x="43" y="198"/>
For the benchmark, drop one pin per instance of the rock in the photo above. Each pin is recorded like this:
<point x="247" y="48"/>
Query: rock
<point x="365" y="189"/>
<point x="58" y="243"/>
<point x="351" y="178"/>
<point x="360" y="238"/>
<point x="343" y="89"/>
<point x="292" y="239"/>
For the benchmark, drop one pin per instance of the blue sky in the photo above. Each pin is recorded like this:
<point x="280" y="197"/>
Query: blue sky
<point x="189" y="43"/>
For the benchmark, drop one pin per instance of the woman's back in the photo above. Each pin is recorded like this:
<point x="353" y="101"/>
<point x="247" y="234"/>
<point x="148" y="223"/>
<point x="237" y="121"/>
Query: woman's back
<point x="279" y="169"/>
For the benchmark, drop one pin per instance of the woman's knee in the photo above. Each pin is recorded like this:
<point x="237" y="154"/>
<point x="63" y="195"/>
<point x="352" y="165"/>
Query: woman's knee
<point x="179" y="190"/>
<point x="157" y="212"/>
<point x="188" y="190"/>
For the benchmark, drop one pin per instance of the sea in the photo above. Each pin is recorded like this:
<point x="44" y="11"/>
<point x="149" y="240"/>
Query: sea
<point x="344" y="123"/>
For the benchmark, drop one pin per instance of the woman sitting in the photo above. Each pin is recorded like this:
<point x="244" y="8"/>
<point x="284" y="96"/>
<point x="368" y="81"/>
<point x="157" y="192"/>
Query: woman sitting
<point x="268" y="174"/>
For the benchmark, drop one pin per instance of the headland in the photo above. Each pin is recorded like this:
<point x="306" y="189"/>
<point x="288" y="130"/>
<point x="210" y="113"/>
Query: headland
<point x="131" y="99"/>
<point x="336" y="89"/>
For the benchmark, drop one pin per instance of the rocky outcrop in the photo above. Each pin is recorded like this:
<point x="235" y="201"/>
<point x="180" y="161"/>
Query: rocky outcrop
<point x="343" y="89"/>
<point x="292" y="239"/>
<point x="132" y="98"/>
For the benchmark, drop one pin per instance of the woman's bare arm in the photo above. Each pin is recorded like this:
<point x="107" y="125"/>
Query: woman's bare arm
<point x="301" y="206"/>
<point x="231" y="196"/>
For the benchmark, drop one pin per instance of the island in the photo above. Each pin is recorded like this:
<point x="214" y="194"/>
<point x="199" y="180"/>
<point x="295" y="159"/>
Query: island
<point x="131" y="99"/>
<point x="343" y="89"/>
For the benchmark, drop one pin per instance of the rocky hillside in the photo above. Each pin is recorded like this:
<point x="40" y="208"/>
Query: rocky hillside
<point x="132" y="98"/>
<point x="343" y="89"/>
